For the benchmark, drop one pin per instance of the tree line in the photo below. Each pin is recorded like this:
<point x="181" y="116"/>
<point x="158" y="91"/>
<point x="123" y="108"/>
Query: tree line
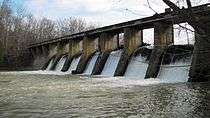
<point x="20" y="29"/>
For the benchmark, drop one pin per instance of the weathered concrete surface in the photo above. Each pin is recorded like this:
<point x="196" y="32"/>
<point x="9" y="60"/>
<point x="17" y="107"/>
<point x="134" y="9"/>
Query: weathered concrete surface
<point x="107" y="43"/>
<point x="163" y="36"/>
<point x="73" y="50"/>
<point x="40" y="58"/>
<point x="45" y="53"/>
<point x="57" y="52"/>
<point x="133" y="38"/>
<point x="74" y="47"/>
<point x="88" y="51"/>
<point x="53" y="50"/>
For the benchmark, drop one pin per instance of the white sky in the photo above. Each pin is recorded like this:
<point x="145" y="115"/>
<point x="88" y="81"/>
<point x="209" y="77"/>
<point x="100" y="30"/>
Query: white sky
<point x="105" y="12"/>
<point x="102" y="12"/>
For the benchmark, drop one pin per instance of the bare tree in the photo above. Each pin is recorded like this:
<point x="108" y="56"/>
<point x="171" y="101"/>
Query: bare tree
<point x="20" y="30"/>
<point x="72" y="25"/>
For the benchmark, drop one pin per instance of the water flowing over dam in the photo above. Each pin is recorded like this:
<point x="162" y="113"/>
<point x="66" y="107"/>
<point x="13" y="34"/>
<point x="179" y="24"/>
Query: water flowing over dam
<point x="60" y="64"/>
<point x="74" y="64"/>
<point x="49" y="66"/>
<point x="111" y="63"/>
<point x="174" y="65"/>
<point x="138" y="64"/>
<point x="122" y="51"/>
<point x="91" y="63"/>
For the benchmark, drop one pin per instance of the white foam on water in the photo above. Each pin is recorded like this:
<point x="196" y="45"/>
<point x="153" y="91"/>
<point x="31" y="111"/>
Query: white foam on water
<point x="111" y="63"/>
<point x="74" y="64"/>
<point x="123" y="82"/>
<point x="38" y="72"/>
<point x="175" y="72"/>
<point x="91" y="64"/>
<point x="137" y="67"/>
<point x="50" y="64"/>
<point x="60" y="64"/>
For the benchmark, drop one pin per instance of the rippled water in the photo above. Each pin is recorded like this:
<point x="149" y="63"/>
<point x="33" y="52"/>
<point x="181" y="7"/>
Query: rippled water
<point x="28" y="95"/>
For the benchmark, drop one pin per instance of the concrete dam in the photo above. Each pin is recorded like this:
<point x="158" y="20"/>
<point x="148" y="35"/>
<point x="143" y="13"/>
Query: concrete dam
<point x="119" y="50"/>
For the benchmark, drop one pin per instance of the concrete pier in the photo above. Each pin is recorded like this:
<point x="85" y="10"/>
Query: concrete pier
<point x="163" y="36"/>
<point x="107" y="43"/>
<point x="88" y="46"/>
<point x="133" y="38"/>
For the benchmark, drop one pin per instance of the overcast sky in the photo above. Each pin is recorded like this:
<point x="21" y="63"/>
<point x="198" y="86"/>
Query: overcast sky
<point x="102" y="12"/>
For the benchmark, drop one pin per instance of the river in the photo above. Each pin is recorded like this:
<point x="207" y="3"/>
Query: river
<point x="40" y="95"/>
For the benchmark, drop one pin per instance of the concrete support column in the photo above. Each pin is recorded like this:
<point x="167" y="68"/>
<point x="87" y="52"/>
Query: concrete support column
<point x="163" y="36"/>
<point x="88" y="46"/>
<point x="73" y="50"/>
<point x="133" y="38"/>
<point x="45" y="50"/>
<point x="33" y="52"/>
<point x="38" y="51"/>
<point x="74" y="47"/>
<point x="56" y="53"/>
<point x="53" y="49"/>
<point x="107" y="43"/>
<point x="66" y="50"/>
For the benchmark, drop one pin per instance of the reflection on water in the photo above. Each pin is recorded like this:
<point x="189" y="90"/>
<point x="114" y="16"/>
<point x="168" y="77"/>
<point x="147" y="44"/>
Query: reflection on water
<point x="24" y="95"/>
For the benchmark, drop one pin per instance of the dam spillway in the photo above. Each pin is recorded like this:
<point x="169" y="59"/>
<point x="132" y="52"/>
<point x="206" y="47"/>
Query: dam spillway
<point x="74" y="64"/>
<point x="175" y="65"/>
<point x="49" y="66"/>
<point x="60" y="63"/>
<point x="91" y="63"/>
<point x="127" y="37"/>
<point x="138" y="64"/>
<point x="111" y="63"/>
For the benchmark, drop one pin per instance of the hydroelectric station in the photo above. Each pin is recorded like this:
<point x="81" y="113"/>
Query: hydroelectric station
<point x="101" y="51"/>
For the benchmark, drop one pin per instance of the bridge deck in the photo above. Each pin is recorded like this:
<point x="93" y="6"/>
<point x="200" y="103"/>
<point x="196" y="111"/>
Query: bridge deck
<point x="142" y="23"/>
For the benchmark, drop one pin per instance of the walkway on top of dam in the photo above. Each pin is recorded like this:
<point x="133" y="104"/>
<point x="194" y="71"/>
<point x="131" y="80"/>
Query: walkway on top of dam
<point x="144" y="23"/>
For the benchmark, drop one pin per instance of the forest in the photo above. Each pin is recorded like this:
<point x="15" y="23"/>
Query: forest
<point x="18" y="29"/>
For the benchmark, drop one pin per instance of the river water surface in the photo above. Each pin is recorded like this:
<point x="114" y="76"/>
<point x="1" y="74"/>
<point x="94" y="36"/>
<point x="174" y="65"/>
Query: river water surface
<point x="34" y="95"/>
